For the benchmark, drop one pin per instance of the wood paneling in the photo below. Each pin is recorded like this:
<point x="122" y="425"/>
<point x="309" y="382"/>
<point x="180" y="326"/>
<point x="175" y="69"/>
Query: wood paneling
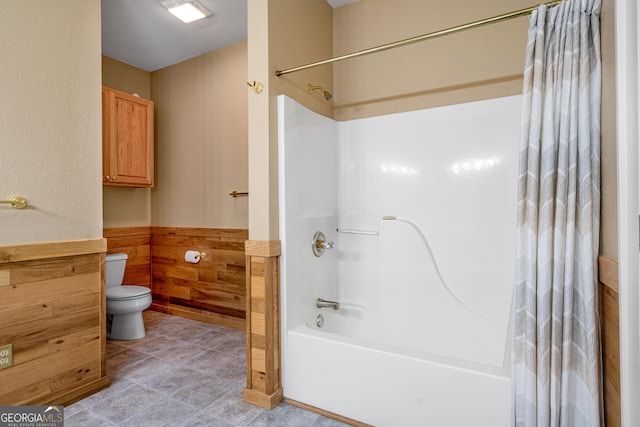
<point x="136" y="243"/>
<point x="53" y="313"/>
<point x="608" y="273"/>
<point x="212" y="290"/>
<point x="34" y="251"/>
<point x="610" y="336"/>
<point x="264" y="385"/>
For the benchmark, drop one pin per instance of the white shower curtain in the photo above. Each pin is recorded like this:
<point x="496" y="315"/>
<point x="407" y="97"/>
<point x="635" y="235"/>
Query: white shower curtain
<point x="556" y="363"/>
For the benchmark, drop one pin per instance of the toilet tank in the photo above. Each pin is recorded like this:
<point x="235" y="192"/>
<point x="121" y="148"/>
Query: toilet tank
<point x="115" y="269"/>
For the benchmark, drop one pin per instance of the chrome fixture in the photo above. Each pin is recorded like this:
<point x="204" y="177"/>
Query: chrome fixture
<point x="327" y="95"/>
<point x="352" y="231"/>
<point x="322" y="303"/>
<point x="319" y="243"/>
<point x="319" y="321"/>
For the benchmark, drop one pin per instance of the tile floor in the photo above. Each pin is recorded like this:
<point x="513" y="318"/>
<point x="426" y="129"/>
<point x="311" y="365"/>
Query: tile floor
<point x="183" y="373"/>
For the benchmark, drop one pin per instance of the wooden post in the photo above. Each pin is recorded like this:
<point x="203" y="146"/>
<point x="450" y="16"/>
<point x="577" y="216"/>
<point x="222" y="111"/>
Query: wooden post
<point x="264" y="384"/>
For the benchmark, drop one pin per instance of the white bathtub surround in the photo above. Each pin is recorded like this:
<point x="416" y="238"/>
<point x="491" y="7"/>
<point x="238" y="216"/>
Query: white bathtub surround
<point x="556" y="360"/>
<point x="421" y="207"/>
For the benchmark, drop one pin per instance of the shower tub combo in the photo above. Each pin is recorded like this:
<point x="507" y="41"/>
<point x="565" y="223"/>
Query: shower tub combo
<point x="417" y="214"/>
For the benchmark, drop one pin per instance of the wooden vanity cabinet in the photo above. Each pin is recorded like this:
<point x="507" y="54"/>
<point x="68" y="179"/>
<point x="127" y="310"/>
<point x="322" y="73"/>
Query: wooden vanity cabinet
<point x="127" y="139"/>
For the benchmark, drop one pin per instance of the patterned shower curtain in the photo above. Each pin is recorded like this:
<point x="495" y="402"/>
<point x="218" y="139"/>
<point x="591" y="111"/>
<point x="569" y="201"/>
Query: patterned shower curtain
<point x="556" y="363"/>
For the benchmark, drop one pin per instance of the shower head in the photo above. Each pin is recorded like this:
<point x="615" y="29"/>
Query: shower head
<point x="327" y="95"/>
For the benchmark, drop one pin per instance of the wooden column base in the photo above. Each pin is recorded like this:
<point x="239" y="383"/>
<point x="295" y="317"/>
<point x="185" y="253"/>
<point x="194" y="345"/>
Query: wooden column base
<point x="258" y="398"/>
<point x="264" y="384"/>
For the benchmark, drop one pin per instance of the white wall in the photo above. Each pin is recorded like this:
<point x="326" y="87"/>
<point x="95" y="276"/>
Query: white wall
<point x="308" y="203"/>
<point x="50" y="116"/>
<point x="628" y="82"/>
<point x="452" y="172"/>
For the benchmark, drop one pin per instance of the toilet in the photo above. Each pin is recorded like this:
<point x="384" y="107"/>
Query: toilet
<point x="125" y="303"/>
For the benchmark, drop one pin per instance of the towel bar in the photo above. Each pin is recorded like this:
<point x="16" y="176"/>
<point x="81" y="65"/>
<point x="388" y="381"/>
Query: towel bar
<point x="235" y="193"/>
<point x="16" y="202"/>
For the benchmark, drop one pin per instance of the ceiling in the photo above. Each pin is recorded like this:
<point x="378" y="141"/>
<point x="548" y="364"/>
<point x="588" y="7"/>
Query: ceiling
<point x="143" y="34"/>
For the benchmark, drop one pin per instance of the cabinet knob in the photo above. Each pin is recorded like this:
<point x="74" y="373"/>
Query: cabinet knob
<point x="106" y="178"/>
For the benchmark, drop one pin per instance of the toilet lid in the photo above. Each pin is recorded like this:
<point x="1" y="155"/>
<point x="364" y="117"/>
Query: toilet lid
<point x="127" y="292"/>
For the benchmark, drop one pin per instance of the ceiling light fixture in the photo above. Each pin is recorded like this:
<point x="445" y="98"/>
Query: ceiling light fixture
<point x="186" y="10"/>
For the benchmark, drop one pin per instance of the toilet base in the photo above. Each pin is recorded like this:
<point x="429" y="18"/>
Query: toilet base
<point x="125" y="326"/>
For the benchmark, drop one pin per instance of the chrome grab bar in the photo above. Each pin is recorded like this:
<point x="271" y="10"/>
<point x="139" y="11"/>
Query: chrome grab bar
<point x="322" y="303"/>
<point x="352" y="231"/>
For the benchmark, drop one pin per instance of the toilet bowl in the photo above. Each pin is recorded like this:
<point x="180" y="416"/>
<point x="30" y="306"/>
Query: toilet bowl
<point x="125" y="303"/>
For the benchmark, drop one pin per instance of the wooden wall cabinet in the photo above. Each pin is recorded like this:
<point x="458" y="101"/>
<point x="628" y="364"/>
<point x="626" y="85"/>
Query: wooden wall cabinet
<point x="127" y="139"/>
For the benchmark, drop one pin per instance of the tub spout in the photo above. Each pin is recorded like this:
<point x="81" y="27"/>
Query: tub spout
<point x="321" y="303"/>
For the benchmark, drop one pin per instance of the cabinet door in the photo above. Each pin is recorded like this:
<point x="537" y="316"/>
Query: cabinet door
<point x="129" y="137"/>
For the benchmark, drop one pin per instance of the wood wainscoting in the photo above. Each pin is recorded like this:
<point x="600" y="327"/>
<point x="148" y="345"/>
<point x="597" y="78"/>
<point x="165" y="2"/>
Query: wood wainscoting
<point x="212" y="290"/>
<point x="136" y="243"/>
<point x="53" y="313"/>
<point x="610" y="336"/>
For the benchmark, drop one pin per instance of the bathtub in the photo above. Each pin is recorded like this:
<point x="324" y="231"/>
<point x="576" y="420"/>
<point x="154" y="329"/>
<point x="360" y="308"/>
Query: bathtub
<point x="422" y="334"/>
<point x="384" y="385"/>
<point x="384" y="358"/>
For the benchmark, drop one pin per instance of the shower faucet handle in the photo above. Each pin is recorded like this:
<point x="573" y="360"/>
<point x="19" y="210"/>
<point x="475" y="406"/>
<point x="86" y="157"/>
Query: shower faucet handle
<point x="320" y="243"/>
<point x="324" y="244"/>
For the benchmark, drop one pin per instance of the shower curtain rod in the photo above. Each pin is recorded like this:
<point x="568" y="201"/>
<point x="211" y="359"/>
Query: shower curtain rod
<point x="470" y="25"/>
